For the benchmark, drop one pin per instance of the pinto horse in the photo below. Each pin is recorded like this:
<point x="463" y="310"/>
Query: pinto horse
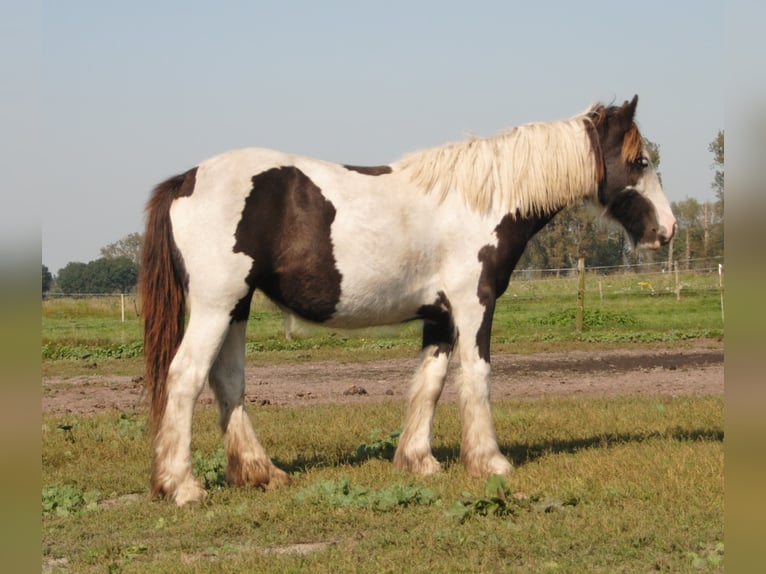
<point x="433" y="236"/>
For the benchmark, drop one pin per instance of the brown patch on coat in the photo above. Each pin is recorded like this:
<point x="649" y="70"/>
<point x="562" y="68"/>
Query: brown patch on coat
<point x="286" y="229"/>
<point x="498" y="262"/>
<point x="636" y="214"/>
<point x="370" y="170"/>
<point x="438" y="325"/>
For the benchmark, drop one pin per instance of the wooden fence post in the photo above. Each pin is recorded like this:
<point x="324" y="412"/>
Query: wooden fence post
<point x="720" y="286"/>
<point x="580" y="294"/>
<point x="600" y="289"/>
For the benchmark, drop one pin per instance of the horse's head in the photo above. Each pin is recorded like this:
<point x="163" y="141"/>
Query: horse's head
<point x="629" y="189"/>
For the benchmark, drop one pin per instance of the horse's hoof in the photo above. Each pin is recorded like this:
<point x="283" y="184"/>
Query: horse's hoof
<point x="496" y="464"/>
<point x="255" y="473"/>
<point x="278" y="477"/>
<point x="499" y="465"/>
<point x="190" y="491"/>
<point x="421" y="466"/>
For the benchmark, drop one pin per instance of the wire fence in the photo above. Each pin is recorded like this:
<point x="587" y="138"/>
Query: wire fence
<point x="685" y="279"/>
<point x="687" y="266"/>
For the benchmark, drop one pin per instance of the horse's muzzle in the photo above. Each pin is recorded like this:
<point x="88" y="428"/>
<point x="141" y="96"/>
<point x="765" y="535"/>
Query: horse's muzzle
<point x="656" y="238"/>
<point x="664" y="236"/>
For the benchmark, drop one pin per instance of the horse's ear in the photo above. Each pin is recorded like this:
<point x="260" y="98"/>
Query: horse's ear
<point x="632" y="106"/>
<point x="627" y="111"/>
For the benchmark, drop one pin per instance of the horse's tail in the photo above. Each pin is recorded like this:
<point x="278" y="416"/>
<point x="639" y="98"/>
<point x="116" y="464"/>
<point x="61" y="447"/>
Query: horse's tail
<point x="162" y="283"/>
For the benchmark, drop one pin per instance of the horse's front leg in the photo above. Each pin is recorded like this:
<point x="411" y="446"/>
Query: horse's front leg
<point x="479" y="451"/>
<point x="413" y="452"/>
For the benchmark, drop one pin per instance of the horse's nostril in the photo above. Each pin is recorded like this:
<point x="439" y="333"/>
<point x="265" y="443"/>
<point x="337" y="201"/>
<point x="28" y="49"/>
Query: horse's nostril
<point x="664" y="236"/>
<point x="673" y="229"/>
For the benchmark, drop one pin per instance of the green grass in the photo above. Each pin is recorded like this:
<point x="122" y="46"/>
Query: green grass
<point x="624" y="308"/>
<point x="533" y="314"/>
<point x="633" y="484"/>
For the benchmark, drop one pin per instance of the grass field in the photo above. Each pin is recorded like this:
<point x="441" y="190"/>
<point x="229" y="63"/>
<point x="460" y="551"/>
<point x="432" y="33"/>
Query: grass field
<point x="632" y="484"/>
<point x="625" y="485"/>
<point x="533" y="314"/>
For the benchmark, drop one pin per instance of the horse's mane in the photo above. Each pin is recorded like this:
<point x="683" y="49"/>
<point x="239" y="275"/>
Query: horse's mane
<point x="533" y="168"/>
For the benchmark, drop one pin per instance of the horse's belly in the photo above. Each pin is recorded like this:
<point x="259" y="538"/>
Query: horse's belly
<point x="383" y="303"/>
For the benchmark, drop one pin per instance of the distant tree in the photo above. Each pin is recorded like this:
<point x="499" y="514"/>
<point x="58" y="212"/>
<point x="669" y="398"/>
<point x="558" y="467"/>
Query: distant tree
<point x="47" y="280"/>
<point x="716" y="147"/>
<point x="714" y="237"/>
<point x="104" y="275"/>
<point x="688" y="242"/>
<point x="653" y="149"/>
<point x="73" y="278"/>
<point x="609" y="247"/>
<point x="129" y="246"/>
<point x="553" y="247"/>
<point x="119" y="274"/>
<point x="574" y="232"/>
<point x="716" y="229"/>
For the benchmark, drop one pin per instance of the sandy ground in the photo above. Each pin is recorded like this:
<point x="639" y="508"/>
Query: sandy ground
<point x="694" y="370"/>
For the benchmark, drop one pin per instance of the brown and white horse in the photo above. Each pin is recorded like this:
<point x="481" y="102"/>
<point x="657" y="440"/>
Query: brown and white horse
<point x="433" y="236"/>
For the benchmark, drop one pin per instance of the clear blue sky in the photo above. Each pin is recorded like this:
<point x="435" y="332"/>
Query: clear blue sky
<point x="133" y="92"/>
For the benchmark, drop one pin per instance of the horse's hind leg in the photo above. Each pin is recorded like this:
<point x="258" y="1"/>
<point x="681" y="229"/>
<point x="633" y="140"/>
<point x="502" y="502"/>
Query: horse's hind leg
<point x="413" y="452"/>
<point x="248" y="463"/>
<point x="171" y="470"/>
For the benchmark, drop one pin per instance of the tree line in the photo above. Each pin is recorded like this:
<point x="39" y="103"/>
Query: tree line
<point x="573" y="233"/>
<point x="576" y="233"/>
<point x="116" y="271"/>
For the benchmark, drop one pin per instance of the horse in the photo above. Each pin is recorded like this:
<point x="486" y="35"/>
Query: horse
<point x="433" y="237"/>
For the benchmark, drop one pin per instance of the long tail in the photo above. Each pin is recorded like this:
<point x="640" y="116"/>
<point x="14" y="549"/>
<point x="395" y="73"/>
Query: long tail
<point x="162" y="283"/>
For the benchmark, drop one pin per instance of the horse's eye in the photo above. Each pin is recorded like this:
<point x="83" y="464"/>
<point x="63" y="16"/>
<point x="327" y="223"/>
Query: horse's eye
<point x="642" y="162"/>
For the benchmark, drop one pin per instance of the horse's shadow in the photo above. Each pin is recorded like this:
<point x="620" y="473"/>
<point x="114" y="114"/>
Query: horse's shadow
<point x="524" y="453"/>
<point x="519" y="453"/>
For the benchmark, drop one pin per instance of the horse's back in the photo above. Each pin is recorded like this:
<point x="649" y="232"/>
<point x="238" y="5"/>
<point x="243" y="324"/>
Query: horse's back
<point x="335" y="244"/>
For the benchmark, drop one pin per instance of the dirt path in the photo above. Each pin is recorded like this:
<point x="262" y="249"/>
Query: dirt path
<point x="697" y="370"/>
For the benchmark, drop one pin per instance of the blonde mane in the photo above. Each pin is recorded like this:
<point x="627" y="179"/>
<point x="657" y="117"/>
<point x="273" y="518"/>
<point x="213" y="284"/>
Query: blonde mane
<point x="532" y="169"/>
